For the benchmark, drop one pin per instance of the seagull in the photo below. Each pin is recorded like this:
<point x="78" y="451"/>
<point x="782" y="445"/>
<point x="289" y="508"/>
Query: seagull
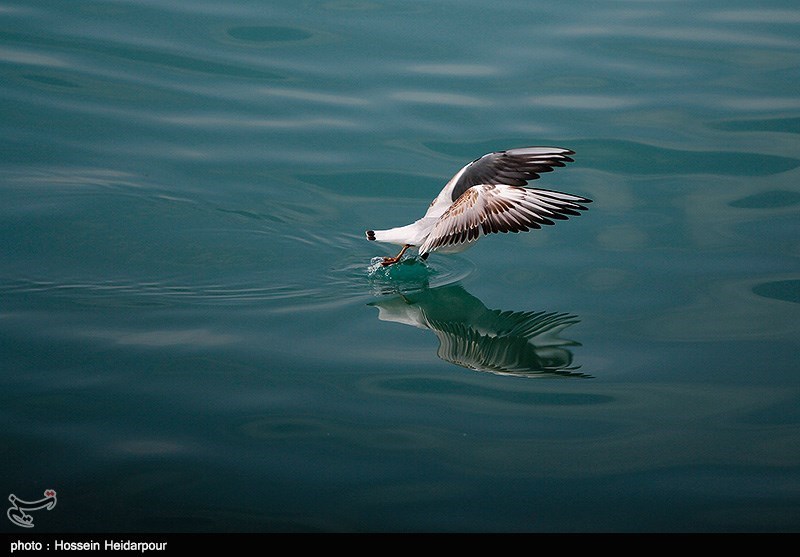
<point x="487" y="196"/>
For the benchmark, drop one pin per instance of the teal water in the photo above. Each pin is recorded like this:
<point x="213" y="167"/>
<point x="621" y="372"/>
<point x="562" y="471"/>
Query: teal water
<point x="192" y="337"/>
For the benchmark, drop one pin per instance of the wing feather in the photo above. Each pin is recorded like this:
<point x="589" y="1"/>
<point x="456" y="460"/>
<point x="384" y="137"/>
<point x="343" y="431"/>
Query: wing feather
<point x="486" y="209"/>
<point x="513" y="167"/>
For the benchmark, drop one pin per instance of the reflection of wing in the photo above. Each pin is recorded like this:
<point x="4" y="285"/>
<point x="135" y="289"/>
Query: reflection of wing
<point x="511" y="353"/>
<point x="475" y="337"/>
<point x="539" y="327"/>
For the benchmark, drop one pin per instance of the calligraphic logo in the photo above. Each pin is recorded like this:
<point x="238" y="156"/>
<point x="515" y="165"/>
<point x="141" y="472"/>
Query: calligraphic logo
<point x="16" y="513"/>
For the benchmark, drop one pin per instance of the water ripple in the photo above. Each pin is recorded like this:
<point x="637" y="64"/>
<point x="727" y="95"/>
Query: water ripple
<point x="268" y="34"/>
<point x="678" y="35"/>
<point x="454" y="70"/>
<point x="350" y="277"/>
<point x="132" y="293"/>
<point x="26" y="57"/>
<point x="439" y="97"/>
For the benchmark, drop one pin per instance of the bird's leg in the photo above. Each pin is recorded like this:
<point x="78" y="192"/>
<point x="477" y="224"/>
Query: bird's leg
<point x="390" y="260"/>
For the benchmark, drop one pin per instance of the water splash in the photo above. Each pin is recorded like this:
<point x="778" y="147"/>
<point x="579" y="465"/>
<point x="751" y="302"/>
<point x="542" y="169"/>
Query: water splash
<point x="408" y="267"/>
<point x="413" y="274"/>
<point x="410" y="274"/>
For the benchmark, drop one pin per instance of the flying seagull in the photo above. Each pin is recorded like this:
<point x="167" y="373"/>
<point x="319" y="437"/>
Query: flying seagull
<point x="488" y="195"/>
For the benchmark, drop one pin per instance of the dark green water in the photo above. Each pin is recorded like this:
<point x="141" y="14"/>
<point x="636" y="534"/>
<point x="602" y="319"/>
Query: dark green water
<point x="191" y="338"/>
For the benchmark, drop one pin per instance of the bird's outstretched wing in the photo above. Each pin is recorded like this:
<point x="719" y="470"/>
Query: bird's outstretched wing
<point x="514" y="167"/>
<point x="486" y="209"/>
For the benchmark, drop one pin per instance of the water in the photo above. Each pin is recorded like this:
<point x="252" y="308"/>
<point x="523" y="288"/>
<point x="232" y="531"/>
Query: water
<point x="192" y="336"/>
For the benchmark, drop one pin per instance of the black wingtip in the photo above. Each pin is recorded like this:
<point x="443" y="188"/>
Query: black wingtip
<point x="370" y="235"/>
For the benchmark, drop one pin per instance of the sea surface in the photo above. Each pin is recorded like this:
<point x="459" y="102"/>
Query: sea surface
<point x="195" y="337"/>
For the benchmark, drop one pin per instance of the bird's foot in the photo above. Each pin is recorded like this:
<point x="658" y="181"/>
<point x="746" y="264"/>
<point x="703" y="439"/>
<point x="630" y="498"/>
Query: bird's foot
<point x="392" y="260"/>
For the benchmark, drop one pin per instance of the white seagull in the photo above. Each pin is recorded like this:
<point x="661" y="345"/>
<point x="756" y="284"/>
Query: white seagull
<point x="484" y="197"/>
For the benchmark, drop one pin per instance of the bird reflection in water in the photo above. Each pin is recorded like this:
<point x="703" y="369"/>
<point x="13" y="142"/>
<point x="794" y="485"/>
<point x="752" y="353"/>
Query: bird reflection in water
<point x="518" y="343"/>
